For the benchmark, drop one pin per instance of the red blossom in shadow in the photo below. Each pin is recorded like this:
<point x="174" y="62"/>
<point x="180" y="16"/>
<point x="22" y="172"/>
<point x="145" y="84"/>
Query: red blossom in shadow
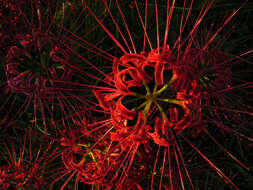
<point x="37" y="65"/>
<point x="21" y="171"/>
<point x="27" y="82"/>
<point x="209" y="68"/>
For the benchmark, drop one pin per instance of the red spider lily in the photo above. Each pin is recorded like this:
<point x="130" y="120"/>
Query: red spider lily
<point x="213" y="73"/>
<point x="24" y="171"/>
<point x="160" y="63"/>
<point x="166" y="109"/>
<point x="37" y="67"/>
<point x="83" y="154"/>
<point x="27" y="82"/>
<point x="131" y="137"/>
<point x="92" y="166"/>
<point x="89" y="172"/>
<point x="39" y="88"/>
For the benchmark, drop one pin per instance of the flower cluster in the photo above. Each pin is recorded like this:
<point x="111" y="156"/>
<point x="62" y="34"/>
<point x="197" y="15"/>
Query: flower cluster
<point x="103" y="108"/>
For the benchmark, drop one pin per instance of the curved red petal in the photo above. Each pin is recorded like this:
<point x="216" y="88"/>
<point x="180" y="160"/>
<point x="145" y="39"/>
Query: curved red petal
<point x="102" y="102"/>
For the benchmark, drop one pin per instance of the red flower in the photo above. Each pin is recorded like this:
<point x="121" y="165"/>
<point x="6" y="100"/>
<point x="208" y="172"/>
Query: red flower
<point x="165" y="90"/>
<point x="209" y="68"/>
<point x="23" y="171"/>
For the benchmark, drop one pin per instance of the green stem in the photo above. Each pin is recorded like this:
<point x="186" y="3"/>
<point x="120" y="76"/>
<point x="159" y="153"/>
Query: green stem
<point x="161" y="110"/>
<point x="166" y="86"/>
<point x="146" y="87"/>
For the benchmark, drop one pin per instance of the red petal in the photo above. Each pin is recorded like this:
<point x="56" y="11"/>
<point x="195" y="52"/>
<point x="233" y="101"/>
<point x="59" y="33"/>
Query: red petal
<point x="162" y="128"/>
<point x="116" y="120"/>
<point x="102" y="102"/>
<point x="111" y="96"/>
<point x="135" y="74"/>
<point x="158" y="140"/>
<point x="119" y="83"/>
<point x="123" y="111"/>
<point x="159" y="68"/>
<point x="173" y="114"/>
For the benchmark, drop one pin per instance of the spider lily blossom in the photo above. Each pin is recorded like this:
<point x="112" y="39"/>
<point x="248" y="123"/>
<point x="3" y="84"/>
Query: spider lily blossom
<point x="162" y="92"/>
